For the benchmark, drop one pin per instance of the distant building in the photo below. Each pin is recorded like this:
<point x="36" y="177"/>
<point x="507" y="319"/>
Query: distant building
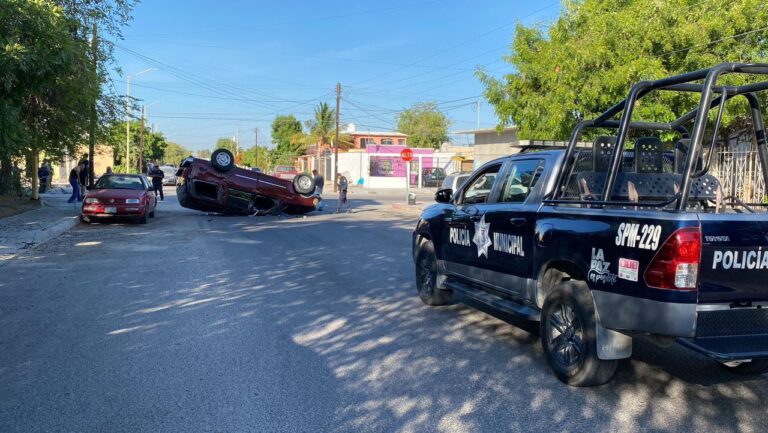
<point x="362" y="139"/>
<point x="490" y="144"/>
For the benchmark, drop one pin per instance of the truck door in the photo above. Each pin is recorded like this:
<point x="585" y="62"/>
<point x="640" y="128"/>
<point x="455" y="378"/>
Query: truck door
<point x="463" y="244"/>
<point x="511" y="223"/>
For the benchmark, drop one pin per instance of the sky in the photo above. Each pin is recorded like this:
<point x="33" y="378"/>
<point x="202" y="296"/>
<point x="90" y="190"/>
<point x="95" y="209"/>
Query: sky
<point x="228" y="67"/>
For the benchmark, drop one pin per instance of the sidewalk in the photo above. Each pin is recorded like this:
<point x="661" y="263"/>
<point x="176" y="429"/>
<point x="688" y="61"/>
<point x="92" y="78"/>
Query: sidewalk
<point x="35" y="227"/>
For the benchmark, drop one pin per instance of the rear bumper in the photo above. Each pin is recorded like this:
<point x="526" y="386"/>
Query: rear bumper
<point x="99" y="210"/>
<point x="731" y="334"/>
<point x="735" y="348"/>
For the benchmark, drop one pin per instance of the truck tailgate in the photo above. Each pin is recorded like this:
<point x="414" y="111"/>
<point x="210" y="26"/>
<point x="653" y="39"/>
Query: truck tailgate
<point x="734" y="258"/>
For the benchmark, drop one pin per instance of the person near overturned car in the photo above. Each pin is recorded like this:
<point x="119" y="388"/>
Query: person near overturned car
<point x="341" y="184"/>
<point x="74" y="182"/>
<point x="319" y="183"/>
<point x="157" y="176"/>
<point x="83" y="176"/>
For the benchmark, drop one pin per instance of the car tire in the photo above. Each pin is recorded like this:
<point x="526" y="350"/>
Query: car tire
<point x="85" y="219"/>
<point x="426" y="277"/>
<point x="568" y="336"/>
<point x="143" y="219"/>
<point x="152" y="214"/>
<point x="750" y="368"/>
<point x="304" y="184"/>
<point x="222" y="160"/>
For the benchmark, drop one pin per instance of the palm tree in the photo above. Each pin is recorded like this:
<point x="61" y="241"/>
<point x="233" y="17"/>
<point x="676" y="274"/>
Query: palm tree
<point x="323" y="127"/>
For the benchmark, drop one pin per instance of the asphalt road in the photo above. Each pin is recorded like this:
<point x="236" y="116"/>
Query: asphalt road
<point x="236" y="324"/>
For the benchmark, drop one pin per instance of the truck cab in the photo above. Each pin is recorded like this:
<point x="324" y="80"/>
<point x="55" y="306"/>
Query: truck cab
<point x="623" y="236"/>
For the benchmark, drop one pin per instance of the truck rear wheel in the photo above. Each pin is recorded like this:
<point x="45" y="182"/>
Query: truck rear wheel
<point x="568" y="328"/>
<point x="426" y="277"/>
<point x="748" y="368"/>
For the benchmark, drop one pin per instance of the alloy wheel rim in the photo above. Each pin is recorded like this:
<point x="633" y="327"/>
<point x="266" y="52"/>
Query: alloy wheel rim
<point x="566" y="335"/>
<point x="304" y="182"/>
<point x="425" y="280"/>
<point x="223" y="159"/>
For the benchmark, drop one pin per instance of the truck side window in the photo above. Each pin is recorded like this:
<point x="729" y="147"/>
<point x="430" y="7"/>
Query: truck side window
<point x="478" y="190"/>
<point x="522" y="177"/>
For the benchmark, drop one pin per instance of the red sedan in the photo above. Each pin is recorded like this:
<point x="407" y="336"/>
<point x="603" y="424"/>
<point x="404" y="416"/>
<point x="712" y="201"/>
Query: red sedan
<point x="120" y="196"/>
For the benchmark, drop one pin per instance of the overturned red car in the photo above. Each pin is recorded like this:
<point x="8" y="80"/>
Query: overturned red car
<point x="219" y="186"/>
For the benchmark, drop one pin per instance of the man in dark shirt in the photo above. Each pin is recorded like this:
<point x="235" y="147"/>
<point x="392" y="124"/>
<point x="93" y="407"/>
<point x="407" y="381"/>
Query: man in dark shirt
<point x="74" y="181"/>
<point x="319" y="184"/>
<point x="83" y="176"/>
<point x="42" y="176"/>
<point x="157" y="176"/>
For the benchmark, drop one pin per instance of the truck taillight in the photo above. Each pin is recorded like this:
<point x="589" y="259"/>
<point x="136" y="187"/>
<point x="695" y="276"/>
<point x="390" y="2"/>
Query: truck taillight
<point x="676" y="265"/>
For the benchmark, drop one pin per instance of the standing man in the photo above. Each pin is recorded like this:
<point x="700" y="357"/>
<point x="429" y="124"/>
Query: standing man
<point x="83" y="177"/>
<point x="342" y="184"/>
<point x="319" y="183"/>
<point x="43" y="174"/>
<point x="157" y="180"/>
<point x="74" y="181"/>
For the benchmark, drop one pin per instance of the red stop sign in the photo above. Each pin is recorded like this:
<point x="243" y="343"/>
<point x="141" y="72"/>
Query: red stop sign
<point x="406" y="154"/>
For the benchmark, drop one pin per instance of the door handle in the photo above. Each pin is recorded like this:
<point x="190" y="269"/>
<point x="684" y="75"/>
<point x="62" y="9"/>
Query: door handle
<point x="517" y="221"/>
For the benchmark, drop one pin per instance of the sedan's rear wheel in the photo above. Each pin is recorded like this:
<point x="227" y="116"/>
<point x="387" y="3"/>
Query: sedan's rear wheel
<point x="304" y="184"/>
<point x="568" y="328"/>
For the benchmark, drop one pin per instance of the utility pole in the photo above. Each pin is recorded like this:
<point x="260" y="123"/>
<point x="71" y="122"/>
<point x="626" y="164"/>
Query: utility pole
<point x="237" y="141"/>
<point x="96" y="88"/>
<point x="141" y="140"/>
<point x="478" y="114"/>
<point x="128" y="118"/>
<point x="336" y="143"/>
<point x="256" y="144"/>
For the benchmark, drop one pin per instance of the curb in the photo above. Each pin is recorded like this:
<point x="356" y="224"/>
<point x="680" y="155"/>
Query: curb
<point x="41" y="236"/>
<point x="408" y="207"/>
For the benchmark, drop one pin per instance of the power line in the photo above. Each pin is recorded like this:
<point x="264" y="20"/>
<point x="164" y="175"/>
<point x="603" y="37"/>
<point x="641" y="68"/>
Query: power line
<point x="302" y="21"/>
<point x="495" y="29"/>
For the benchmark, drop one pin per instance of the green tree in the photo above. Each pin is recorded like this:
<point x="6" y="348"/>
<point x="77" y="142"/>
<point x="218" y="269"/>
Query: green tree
<point x="587" y="60"/>
<point x="322" y="128"/>
<point x="154" y="145"/>
<point x="256" y="157"/>
<point x="226" y="143"/>
<point x="174" y="153"/>
<point x="50" y="79"/>
<point x="289" y="139"/>
<point x="425" y="125"/>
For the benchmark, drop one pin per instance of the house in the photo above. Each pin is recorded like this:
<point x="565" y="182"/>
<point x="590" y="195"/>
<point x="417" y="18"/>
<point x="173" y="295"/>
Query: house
<point x="491" y="144"/>
<point x="362" y="139"/>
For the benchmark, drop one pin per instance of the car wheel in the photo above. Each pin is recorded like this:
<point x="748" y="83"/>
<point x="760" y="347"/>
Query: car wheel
<point x="426" y="277"/>
<point x="152" y="214"/>
<point x="568" y="328"/>
<point x="143" y="219"/>
<point x="748" y="368"/>
<point x="304" y="184"/>
<point x="222" y="160"/>
<point x="85" y="219"/>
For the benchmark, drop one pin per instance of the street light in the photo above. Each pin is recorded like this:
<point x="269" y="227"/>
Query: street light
<point x="128" y="115"/>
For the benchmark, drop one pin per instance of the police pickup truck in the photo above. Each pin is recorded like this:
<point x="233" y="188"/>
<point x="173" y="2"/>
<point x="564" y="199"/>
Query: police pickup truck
<point x="637" y="235"/>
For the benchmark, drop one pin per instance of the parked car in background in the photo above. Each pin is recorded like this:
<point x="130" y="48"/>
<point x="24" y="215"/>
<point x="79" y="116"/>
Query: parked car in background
<point x="287" y="172"/>
<point x="169" y="172"/>
<point x="219" y="186"/>
<point x="432" y="176"/>
<point x="454" y="181"/>
<point x="120" y="196"/>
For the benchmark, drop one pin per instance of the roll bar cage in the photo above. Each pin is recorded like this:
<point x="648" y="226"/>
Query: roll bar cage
<point x="680" y="83"/>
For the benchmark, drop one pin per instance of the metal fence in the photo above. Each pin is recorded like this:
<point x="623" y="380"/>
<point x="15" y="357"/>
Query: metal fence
<point x="737" y="167"/>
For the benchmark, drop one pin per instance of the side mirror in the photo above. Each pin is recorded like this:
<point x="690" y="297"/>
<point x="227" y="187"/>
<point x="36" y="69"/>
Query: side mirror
<point x="444" y="195"/>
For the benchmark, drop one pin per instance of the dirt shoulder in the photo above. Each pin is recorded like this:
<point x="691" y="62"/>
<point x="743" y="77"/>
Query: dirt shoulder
<point x="12" y="205"/>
